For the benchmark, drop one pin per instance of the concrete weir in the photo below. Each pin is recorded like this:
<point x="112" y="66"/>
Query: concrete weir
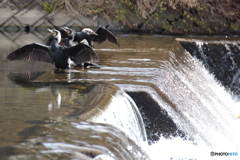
<point x="87" y="101"/>
<point x="220" y="57"/>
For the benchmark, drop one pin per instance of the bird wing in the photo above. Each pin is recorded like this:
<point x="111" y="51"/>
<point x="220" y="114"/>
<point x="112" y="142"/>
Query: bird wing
<point x="81" y="53"/>
<point x="104" y="35"/>
<point x="31" y="52"/>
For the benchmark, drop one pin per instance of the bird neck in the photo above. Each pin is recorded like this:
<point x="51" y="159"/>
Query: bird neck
<point x="70" y="39"/>
<point x="83" y="35"/>
<point x="54" y="45"/>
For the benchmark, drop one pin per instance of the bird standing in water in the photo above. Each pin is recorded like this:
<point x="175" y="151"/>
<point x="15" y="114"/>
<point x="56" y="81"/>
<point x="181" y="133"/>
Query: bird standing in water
<point x="88" y="36"/>
<point x="68" y="42"/>
<point x="54" y="53"/>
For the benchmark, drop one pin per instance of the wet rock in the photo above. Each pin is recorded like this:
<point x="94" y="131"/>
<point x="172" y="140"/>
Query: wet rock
<point x="157" y="121"/>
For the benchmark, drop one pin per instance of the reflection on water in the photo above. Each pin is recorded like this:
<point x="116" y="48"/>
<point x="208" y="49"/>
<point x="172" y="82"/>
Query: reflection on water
<point x="86" y="113"/>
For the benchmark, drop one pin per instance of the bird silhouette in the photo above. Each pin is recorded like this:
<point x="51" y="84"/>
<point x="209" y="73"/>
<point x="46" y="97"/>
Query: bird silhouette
<point x="54" y="53"/>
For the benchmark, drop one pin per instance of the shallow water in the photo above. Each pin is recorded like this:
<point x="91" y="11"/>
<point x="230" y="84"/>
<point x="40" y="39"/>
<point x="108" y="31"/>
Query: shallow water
<point x="86" y="113"/>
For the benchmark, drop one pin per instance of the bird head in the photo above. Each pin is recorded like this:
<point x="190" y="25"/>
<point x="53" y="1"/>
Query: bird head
<point x="89" y="31"/>
<point x="70" y="32"/>
<point x="56" y="34"/>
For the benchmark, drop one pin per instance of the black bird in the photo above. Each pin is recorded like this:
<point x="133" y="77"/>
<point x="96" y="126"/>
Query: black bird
<point x="101" y="35"/>
<point x="70" y="33"/>
<point x="68" y="42"/>
<point x="54" y="53"/>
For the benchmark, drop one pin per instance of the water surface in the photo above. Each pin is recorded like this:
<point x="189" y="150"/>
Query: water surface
<point x="86" y="113"/>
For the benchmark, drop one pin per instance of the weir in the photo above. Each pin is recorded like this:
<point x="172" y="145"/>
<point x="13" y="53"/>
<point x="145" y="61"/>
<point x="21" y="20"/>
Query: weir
<point x="144" y="92"/>
<point x="219" y="57"/>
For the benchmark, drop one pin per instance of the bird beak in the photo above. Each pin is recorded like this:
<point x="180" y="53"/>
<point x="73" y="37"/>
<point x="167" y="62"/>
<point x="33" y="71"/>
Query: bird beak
<point x="53" y="33"/>
<point x="50" y="30"/>
<point x="93" y="33"/>
<point x="67" y="31"/>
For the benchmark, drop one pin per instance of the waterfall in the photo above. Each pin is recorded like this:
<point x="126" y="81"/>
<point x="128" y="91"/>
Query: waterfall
<point x="123" y="113"/>
<point x="219" y="57"/>
<point x="200" y="106"/>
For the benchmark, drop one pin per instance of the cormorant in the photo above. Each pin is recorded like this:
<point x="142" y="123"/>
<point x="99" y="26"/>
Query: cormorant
<point x="68" y="41"/>
<point x="101" y="35"/>
<point x="54" y="53"/>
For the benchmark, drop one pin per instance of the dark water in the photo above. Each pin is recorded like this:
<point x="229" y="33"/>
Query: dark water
<point x="148" y="99"/>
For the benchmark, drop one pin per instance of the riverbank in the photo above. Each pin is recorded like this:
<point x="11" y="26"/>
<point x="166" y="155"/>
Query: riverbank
<point x="153" y="16"/>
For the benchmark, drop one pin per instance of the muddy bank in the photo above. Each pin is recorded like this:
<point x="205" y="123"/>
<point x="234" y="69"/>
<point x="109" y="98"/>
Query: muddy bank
<point x="154" y="16"/>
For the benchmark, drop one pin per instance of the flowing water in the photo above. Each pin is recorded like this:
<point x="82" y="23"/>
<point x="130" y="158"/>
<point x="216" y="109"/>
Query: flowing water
<point x="150" y="100"/>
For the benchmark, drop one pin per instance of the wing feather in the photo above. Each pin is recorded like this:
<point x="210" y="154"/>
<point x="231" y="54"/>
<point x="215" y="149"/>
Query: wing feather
<point x="81" y="53"/>
<point x="31" y="52"/>
<point x="104" y="35"/>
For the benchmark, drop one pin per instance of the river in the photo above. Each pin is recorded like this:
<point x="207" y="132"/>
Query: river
<point x="149" y="100"/>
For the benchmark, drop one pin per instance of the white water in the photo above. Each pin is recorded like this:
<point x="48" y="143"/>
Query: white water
<point x="123" y="113"/>
<point x="203" y="109"/>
